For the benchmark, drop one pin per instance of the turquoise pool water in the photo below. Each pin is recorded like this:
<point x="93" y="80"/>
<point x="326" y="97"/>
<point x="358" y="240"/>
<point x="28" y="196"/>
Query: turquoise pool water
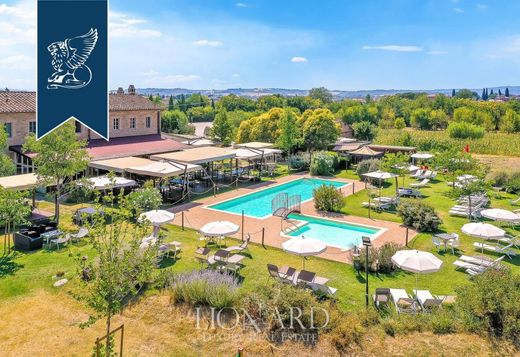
<point x="258" y="204"/>
<point x="337" y="234"/>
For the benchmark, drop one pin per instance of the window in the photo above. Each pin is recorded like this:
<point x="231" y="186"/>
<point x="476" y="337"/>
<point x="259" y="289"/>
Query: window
<point x="132" y="123"/>
<point x="8" y="127"/>
<point x="78" y="127"/>
<point x="148" y="122"/>
<point x="116" y="124"/>
<point x="32" y="127"/>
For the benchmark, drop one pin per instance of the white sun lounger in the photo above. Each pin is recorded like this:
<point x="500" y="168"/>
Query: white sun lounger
<point x="427" y="300"/>
<point x="496" y="248"/>
<point x="404" y="302"/>
<point x="423" y="183"/>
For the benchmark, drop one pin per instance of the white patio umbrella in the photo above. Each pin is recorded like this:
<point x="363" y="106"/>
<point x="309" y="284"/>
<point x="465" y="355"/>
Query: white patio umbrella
<point x="382" y="176"/>
<point x="421" y="156"/>
<point x="417" y="262"/>
<point x="219" y="229"/>
<point x="483" y="230"/>
<point x="502" y="215"/>
<point x="304" y="247"/>
<point x="156" y="218"/>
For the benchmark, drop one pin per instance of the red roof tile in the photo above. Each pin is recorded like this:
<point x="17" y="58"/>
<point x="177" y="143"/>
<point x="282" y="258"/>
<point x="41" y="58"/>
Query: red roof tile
<point x="25" y="102"/>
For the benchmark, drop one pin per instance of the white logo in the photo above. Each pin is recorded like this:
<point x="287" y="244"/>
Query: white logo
<point x="68" y="61"/>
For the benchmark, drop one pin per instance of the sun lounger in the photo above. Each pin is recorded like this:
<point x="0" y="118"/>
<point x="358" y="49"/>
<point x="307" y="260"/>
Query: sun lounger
<point x="404" y="302"/>
<point x="240" y="248"/>
<point x="515" y="201"/>
<point x="496" y="249"/>
<point x="286" y="276"/>
<point x="305" y="277"/>
<point x="476" y="265"/>
<point x="510" y="240"/>
<point x="427" y="300"/>
<point x="408" y="192"/>
<point x="377" y="205"/>
<point x="423" y="183"/>
<point x="323" y="289"/>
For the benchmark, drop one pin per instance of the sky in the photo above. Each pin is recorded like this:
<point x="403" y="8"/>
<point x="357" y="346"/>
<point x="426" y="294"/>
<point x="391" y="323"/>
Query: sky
<point x="343" y="45"/>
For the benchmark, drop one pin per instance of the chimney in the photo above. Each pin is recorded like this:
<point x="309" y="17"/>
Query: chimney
<point x="131" y="89"/>
<point x="120" y="90"/>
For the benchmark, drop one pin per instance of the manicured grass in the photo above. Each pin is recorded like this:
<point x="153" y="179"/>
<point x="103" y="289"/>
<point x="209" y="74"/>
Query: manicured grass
<point x="35" y="270"/>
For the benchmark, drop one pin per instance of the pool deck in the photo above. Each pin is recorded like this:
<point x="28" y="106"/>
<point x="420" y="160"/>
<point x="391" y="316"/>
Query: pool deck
<point x="196" y="215"/>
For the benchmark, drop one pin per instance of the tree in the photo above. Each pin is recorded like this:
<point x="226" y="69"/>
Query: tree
<point x="320" y="129"/>
<point x="507" y="92"/>
<point x="289" y="137"/>
<point x="13" y="212"/>
<point x="7" y="166"/>
<point x="453" y="93"/>
<point x="421" y="119"/>
<point x="303" y="103"/>
<point x="363" y="130"/>
<point x="120" y="268"/>
<point x="499" y="92"/>
<point x="466" y="94"/>
<point x="396" y="163"/>
<point x="59" y="155"/>
<point x="171" y="104"/>
<point x="221" y="129"/>
<point x="267" y="102"/>
<point x="438" y="119"/>
<point x="175" y="121"/>
<point x="322" y="94"/>
<point x="454" y="163"/>
<point x="510" y="122"/>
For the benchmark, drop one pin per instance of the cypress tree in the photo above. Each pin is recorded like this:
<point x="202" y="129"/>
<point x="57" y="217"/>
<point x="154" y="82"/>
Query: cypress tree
<point x="453" y="93"/>
<point x="213" y="103"/>
<point x="499" y="92"/>
<point x="151" y="97"/>
<point x="170" y="103"/>
<point x="507" y="92"/>
<point x="492" y="91"/>
<point x="483" y="94"/>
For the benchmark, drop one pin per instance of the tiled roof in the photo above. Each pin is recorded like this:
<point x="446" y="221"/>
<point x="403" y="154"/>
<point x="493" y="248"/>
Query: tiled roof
<point x="25" y="102"/>
<point x="17" y="102"/>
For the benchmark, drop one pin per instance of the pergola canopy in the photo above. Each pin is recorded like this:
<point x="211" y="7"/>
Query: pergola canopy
<point x="119" y="165"/>
<point x="105" y="182"/>
<point x="255" y="145"/>
<point x="252" y="154"/>
<point x="19" y="182"/>
<point x="200" y="155"/>
<point x="366" y="151"/>
<point x="380" y="175"/>
<point x="164" y="169"/>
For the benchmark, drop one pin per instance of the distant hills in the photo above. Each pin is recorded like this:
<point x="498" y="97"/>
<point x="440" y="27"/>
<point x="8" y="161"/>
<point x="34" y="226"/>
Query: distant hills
<point x="339" y="94"/>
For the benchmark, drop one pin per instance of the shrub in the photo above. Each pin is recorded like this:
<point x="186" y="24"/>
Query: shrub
<point x="499" y="178"/>
<point x="399" y="123"/>
<point x="205" y="287"/>
<point x="512" y="185"/>
<point x="327" y="198"/>
<point x="418" y="215"/>
<point x="380" y="259"/>
<point x="367" y="166"/>
<point x="464" y="130"/>
<point x="299" y="162"/>
<point x="144" y="199"/>
<point x="323" y="164"/>
<point x="491" y="304"/>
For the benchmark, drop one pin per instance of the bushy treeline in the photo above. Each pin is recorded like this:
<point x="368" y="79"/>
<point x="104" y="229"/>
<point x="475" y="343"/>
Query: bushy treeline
<point x="465" y="112"/>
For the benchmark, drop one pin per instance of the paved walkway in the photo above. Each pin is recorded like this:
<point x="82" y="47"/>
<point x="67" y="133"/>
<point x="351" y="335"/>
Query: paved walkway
<point x="196" y="215"/>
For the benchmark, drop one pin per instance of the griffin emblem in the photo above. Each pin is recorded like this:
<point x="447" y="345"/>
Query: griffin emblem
<point x="68" y="61"/>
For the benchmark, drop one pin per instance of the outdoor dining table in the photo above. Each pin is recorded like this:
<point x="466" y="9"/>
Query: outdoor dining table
<point x="446" y="237"/>
<point x="50" y="235"/>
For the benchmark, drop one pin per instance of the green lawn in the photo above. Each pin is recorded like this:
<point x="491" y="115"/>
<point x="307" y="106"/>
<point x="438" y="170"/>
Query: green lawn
<point x="29" y="271"/>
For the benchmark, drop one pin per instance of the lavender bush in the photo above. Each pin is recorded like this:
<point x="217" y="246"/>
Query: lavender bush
<point x="205" y="287"/>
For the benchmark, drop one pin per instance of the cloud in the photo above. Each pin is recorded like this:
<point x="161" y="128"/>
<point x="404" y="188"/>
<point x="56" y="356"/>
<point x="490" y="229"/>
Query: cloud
<point x="299" y="60"/>
<point x="481" y="6"/>
<point x="208" y="43"/>
<point x="17" y="62"/>
<point x="125" y="26"/>
<point x="235" y="75"/>
<point x="458" y="10"/>
<point x="394" y="48"/>
<point x="150" y="73"/>
<point x="436" y="53"/>
<point x="240" y="4"/>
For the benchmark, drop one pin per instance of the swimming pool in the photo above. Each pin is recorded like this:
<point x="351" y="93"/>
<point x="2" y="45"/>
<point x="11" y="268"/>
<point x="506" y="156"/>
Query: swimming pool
<point x="258" y="204"/>
<point x="333" y="233"/>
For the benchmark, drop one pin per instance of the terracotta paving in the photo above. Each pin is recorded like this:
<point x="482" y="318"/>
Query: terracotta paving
<point x="196" y="215"/>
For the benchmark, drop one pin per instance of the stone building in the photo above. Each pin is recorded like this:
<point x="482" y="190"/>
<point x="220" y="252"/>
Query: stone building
<point x="134" y="127"/>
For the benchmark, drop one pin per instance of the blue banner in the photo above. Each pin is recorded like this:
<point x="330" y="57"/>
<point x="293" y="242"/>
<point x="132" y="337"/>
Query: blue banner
<point x="72" y="70"/>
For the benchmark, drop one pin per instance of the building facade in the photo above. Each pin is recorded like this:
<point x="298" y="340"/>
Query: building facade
<point x="131" y="116"/>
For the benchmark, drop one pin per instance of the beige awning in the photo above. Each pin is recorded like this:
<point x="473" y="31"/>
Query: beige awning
<point x="19" y="182"/>
<point x="255" y="145"/>
<point x="119" y="165"/>
<point x="253" y="154"/>
<point x="164" y="169"/>
<point x="200" y="155"/>
<point x="366" y="151"/>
